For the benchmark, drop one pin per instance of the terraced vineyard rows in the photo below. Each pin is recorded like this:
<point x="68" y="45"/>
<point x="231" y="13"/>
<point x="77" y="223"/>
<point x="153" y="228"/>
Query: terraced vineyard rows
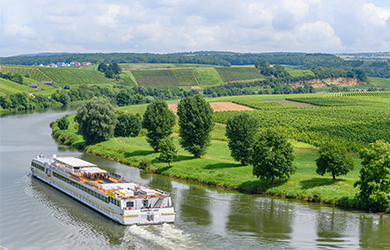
<point x="185" y="77"/>
<point x="34" y="72"/>
<point x="362" y="121"/>
<point x="75" y="76"/>
<point x="155" y="78"/>
<point x="207" y="76"/>
<point x="238" y="73"/>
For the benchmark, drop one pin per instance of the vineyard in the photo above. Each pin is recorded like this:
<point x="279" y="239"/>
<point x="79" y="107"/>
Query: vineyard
<point x="9" y="87"/>
<point x="207" y="76"/>
<point x="185" y="77"/>
<point x="238" y="73"/>
<point x="155" y="78"/>
<point x="127" y="79"/>
<point x="360" y="120"/>
<point x="33" y="72"/>
<point x="75" y="76"/>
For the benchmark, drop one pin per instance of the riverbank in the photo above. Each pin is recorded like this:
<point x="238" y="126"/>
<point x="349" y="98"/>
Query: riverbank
<point x="217" y="168"/>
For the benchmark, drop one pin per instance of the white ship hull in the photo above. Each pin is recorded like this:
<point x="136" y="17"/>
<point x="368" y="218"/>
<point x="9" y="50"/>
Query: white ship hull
<point x="121" y="214"/>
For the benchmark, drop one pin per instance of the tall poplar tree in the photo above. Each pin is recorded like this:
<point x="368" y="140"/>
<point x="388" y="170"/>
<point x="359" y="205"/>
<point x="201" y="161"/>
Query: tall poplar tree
<point x="159" y="121"/>
<point x="241" y="130"/>
<point x="196" y="123"/>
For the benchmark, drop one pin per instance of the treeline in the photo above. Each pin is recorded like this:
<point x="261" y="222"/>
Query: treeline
<point x="12" y="77"/>
<point x="301" y="60"/>
<point x="119" y="95"/>
<point x="23" y="101"/>
<point x="277" y="81"/>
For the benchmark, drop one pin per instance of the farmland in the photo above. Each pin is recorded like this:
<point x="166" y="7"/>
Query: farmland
<point x="155" y="78"/>
<point x="185" y="77"/>
<point x="238" y="73"/>
<point x="33" y="72"/>
<point x="351" y="120"/>
<point x="64" y="76"/>
<point x="207" y="76"/>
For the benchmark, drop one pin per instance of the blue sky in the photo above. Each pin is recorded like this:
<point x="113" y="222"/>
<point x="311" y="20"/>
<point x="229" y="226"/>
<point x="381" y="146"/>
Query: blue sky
<point x="166" y="26"/>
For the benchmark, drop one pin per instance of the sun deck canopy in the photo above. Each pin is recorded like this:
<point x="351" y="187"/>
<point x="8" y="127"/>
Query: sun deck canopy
<point x="76" y="163"/>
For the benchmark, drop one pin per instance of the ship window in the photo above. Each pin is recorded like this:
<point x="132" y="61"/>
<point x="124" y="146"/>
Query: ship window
<point x="130" y="204"/>
<point x="146" y="203"/>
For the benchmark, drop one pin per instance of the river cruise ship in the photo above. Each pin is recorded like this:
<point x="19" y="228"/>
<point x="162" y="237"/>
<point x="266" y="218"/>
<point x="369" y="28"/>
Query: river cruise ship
<point x="124" y="201"/>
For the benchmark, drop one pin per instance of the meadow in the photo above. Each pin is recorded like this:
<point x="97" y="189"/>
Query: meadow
<point x="217" y="167"/>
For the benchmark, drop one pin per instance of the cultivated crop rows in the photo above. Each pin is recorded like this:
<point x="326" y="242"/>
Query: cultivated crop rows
<point x="362" y="121"/>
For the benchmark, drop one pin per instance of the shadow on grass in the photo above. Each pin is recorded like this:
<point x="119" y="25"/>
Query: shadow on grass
<point x="183" y="158"/>
<point x="258" y="186"/>
<point x="318" y="182"/>
<point x="222" y="165"/>
<point x="139" y="152"/>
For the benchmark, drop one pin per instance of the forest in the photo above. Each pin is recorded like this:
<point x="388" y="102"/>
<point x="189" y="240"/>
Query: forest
<point x="298" y="60"/>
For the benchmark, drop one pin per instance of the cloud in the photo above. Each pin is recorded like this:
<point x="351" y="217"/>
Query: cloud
<point x="171" y="25"/>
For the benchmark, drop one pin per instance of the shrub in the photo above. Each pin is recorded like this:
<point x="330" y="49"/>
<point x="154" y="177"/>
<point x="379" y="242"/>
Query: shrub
<point x="144" y="163"/>
<point x="291" y="194"/>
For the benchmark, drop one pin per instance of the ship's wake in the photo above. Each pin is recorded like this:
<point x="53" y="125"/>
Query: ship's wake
<point x="162" y="236"/>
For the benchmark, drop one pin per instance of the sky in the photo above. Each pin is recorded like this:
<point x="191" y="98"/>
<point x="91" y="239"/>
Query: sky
<point x="168" y="26"/>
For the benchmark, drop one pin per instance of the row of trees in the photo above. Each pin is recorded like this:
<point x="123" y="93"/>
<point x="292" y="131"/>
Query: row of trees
<point x="195" y="120"/>
<point x="272" y="158"/>
<point x="23" y="101"/>
<point x="111" y="71"/>
<point x="269" y="152"/>
<point x="12" y="77"/>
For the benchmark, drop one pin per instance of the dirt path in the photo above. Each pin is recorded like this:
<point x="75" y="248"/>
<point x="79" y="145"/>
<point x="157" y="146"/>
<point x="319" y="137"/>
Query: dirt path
<point x="217" y="106"/>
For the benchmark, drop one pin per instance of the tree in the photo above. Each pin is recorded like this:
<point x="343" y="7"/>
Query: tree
<point x="241" y="131"/>
<point x="159" y="121"/>
<point x="102" y="67"/>
<point x="123" y="98"/>
<point x="332" y="159"/>
<point x="168" y="150"/>
<point x="96" y="120"/>
<point x="375" y="176"/>
<point x="115" y="68"/>
<point x="196" y="123"/>
<point x="122" y="128"/>
<point x="134" y="126"/>
<point x="64" y="98"/>
<point x="63" y="123"/>
<point x="272" y="156"/>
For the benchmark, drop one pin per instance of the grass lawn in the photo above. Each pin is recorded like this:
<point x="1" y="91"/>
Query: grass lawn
<point x="218" y="168"/>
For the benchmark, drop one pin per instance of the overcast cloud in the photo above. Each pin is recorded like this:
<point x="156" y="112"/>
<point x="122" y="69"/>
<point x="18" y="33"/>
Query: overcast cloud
<point x="168" y="26"/>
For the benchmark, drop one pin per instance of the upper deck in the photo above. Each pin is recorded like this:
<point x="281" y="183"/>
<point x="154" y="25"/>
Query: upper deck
<point x="98" y="179"/>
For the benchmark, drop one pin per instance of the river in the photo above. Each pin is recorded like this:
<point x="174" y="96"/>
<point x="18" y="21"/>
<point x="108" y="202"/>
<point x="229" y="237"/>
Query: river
<point x="35" y="216"/>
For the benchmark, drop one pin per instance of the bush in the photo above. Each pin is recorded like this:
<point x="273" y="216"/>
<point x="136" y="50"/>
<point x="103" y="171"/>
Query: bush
<point x="144" y="163"/>
<point x="291" y="194"/>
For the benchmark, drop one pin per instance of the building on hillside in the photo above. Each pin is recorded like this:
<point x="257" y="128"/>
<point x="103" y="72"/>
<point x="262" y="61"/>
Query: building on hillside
<point x="60" y="64"/>
<point x="75" y="63"/>
<point x="86" y="63"/>
<point x="34" y="85"/>
<point x="49" y="83"/>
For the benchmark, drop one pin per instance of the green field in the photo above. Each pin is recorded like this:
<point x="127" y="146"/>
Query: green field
<point x="34" y="72"/>
<point x="128" y="79"/>
<point x="155" y="78"/>
<point x="379" y="82"/>
<point x="363" y="118"/>
<point x="352" y="120"/>
<point x="207" y="76"/>
<point x="300" y="73"/>
<point x="185" y="77"/>
<point x="230" y="74"/>
<point x="63" y="76"/>
<point x="9" y="87"/>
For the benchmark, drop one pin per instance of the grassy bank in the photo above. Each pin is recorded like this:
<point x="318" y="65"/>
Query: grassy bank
<point x="217" y="168"/>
